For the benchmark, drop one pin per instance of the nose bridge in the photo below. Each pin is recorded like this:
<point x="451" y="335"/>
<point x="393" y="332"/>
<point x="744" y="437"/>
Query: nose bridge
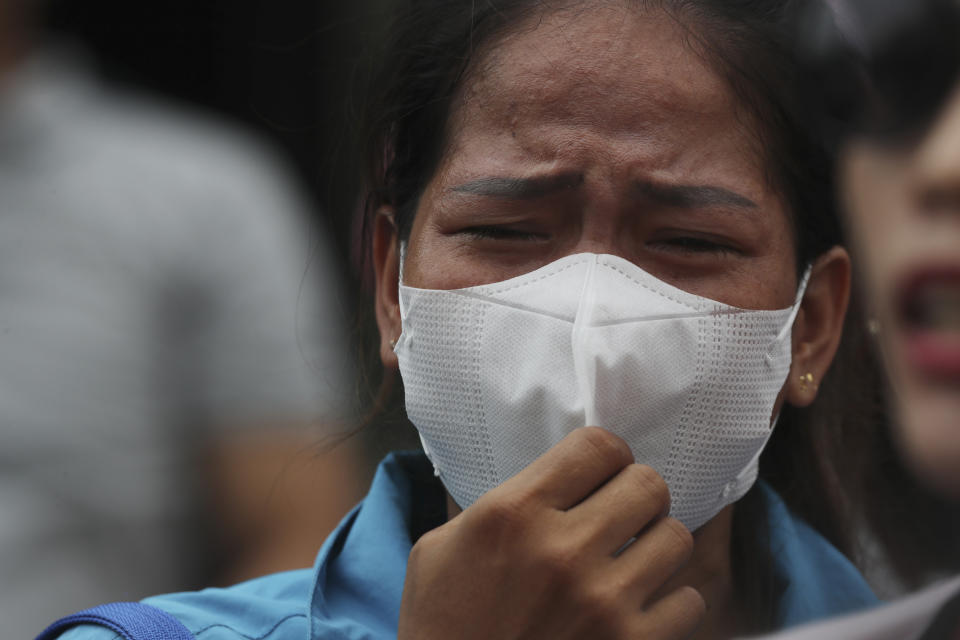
<point x="605" y="244"/>
<point x="937" y="166"/>
<point x="603" y="228"/>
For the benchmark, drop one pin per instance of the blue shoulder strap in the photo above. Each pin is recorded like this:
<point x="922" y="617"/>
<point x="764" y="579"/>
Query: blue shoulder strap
<point x="132" y="620"/>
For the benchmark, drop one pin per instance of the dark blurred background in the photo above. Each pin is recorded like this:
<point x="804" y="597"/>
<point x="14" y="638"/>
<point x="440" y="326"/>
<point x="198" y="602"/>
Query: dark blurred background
<point x="287" y="68"/>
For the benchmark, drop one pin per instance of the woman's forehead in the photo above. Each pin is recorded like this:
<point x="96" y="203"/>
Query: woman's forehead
<point x="608" y="84"/>
<point x="633" y="63"/>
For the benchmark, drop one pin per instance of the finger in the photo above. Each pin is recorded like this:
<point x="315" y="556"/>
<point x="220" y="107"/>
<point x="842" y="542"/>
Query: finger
<point x="573" y="468"/>
<point x="622" y="507"/>
<point x="675" y="616"/>
<point x="654" y="557"/>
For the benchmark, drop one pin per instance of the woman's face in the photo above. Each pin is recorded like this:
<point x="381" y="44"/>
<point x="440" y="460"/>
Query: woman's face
<point x="904" y="210"/>
<point x="601" y="131"/>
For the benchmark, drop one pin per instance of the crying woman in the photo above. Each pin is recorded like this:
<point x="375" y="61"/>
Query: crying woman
<point x="609" y="217"/>
<point x="608" y="270"/>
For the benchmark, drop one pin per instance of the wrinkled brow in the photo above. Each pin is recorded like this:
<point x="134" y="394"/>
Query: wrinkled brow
<point x="520" y="188"/>
<point x="688" y="196"/>
<point x="684" y="196"/>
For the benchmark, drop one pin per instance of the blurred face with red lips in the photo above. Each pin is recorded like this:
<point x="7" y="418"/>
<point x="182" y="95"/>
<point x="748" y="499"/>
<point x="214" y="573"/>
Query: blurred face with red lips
<point x="903" y="205"/>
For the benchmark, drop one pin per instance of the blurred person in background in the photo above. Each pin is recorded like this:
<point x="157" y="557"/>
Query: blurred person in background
<point x="172" y="347"/>
<point x="890" y="73"/>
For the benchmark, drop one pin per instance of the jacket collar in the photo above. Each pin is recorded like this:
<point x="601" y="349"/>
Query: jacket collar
<point x="360" y="570"/>
<point x="820" y="581"/>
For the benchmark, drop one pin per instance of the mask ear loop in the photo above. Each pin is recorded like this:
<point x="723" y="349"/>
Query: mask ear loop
<point x="749" y="472"/>
<point x="403" y="309"/>
<point x="801" y="291"/>
<point x="403" y="315"/>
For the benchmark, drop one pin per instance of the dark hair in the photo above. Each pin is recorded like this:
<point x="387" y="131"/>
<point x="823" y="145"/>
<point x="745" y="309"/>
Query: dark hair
<point x="432" y="48"/>
<point x="882" y="69"/>
<point x="879" y="68"/>
<point x="434" y="42"/>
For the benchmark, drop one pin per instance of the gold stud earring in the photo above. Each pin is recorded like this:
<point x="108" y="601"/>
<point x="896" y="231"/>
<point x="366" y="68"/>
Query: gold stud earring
<point x="806" y="380"/>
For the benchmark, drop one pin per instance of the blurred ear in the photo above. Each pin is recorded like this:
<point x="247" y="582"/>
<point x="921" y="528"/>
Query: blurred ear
<point x="819" y="325"/>
<point x="386" y="264"/>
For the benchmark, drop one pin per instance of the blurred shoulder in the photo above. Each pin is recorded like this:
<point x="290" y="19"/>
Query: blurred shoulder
<point x="135" y="132"/>
<point x="275" y="606"/>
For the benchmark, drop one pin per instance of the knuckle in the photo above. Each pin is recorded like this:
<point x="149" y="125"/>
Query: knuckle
<point x="693" y="603"/>
<point x="650" y="484"/>
<point x="686" y="612"/>
<point x="423" y="555"/>
<point x="599" y="605"/>
<point x="608" y="447"/>
<point x="599" y="597"/>
<point x="680" y="537"/>
<point x="428" y="541"/>
<point x="558" y="560"/>
<point x="507" y="515"/>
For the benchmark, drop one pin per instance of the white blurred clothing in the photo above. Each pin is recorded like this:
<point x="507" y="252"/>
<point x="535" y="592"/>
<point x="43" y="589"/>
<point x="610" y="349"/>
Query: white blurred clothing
<point x="159" y="288"/>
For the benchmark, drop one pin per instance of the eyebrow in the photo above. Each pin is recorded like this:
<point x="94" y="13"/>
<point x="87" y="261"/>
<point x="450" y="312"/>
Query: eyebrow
<point x="683" y="196"/>
<point x="520" y="188"/>
<point x="687" y="196"/>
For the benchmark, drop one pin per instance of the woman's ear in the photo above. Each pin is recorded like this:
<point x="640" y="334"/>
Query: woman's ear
<point x="386" y="265"/>
<point x="819" y="325"/>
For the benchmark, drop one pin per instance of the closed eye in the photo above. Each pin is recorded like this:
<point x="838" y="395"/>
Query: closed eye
<point x="494" y="232"/>
<point x="692" y="244"/>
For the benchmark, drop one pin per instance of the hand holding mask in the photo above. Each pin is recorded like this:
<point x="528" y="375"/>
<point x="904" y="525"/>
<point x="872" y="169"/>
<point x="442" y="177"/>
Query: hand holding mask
<point x="542" y="556"/>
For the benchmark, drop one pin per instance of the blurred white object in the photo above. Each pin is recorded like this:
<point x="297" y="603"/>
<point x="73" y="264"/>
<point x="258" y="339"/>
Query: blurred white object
<point x="904" y="619"/>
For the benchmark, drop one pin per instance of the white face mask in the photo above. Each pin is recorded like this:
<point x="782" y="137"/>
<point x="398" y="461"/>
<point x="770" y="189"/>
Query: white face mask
<point x="495" y="375"/>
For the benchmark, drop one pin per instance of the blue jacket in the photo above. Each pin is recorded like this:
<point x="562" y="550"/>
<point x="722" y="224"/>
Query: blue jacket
<point x="354" y="589"/>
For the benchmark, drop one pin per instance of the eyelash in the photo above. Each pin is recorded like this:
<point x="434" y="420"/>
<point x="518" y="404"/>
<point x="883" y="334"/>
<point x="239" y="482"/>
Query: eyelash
<point x="492" y="232"/>
<point x="689" y="244"/>
<point x="679" y="244"/>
